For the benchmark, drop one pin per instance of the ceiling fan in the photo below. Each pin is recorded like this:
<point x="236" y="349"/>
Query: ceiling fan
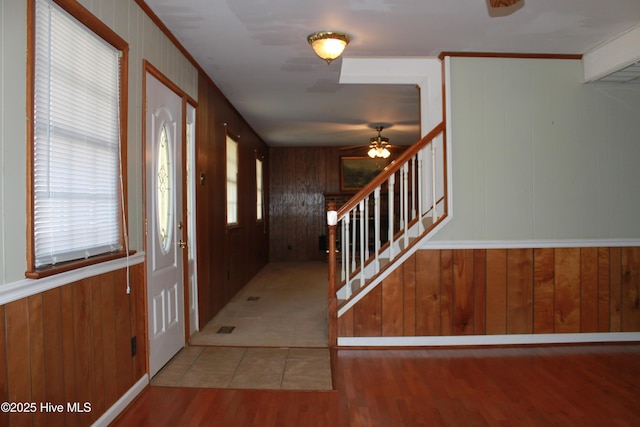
<point x="502" y="3"/>
<point x="379" y="145"/>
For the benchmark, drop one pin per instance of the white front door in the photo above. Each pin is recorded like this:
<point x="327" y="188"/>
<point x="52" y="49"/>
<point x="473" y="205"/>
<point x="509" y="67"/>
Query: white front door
<point x="164" y="223"/>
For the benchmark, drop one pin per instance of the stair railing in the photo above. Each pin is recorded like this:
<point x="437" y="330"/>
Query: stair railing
<point x="387" y="216"/>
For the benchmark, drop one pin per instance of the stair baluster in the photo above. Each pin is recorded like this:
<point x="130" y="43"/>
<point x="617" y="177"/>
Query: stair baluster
<point x="367" y="256"/>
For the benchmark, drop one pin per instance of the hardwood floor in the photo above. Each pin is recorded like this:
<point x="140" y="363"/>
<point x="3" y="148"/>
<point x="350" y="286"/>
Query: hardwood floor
<point x="582" y="385"/>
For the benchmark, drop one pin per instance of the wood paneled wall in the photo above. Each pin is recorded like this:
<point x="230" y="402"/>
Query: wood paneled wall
<point x="503" y="291"/>
<point x="227" y="257"/>
<point x="73" y="344"/>
<point x="299" y="178"/>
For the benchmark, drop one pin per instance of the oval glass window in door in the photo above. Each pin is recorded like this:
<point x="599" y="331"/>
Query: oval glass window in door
<point x="164" y="194"/>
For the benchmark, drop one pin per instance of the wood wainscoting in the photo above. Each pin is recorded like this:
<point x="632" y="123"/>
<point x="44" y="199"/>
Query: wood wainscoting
<point x="455" y="292"/>
<point x="73" y="344"/>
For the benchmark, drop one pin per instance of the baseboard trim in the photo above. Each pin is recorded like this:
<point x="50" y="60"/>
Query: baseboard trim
<point x="488" y="340"/>
<point x="520" y="244"/>
<point x="122" y="403"/>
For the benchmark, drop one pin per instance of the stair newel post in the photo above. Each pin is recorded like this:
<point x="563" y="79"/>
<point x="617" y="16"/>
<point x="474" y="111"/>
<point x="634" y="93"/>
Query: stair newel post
<point x="332" y="221"/>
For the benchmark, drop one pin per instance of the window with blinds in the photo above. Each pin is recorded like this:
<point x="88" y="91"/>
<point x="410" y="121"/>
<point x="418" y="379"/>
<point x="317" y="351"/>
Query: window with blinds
<point x="76" y="140"/>
<point x="232" y="181"/>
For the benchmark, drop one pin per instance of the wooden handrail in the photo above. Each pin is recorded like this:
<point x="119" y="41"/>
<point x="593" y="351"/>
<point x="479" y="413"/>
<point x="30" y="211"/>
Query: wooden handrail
<point x="390" y="170"/>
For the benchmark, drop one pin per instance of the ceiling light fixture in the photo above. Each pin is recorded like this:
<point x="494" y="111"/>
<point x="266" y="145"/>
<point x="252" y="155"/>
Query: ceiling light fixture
<point x="378" y="146"/>
<point x="328" y="45"/>
<point x="502" y="3"/>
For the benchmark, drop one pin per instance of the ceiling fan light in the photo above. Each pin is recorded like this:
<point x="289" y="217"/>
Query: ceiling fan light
<point x="378" y="145"/>
<point x="379" y="151"/>
<point x="328" y="45"/>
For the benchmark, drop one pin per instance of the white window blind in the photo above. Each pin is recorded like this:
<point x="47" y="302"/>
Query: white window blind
<point x="76" y="156"/>
<point x="232" y="181"/>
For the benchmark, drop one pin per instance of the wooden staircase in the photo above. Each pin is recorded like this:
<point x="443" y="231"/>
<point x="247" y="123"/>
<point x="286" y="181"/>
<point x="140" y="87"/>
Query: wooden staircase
<point x="385" y="222"/>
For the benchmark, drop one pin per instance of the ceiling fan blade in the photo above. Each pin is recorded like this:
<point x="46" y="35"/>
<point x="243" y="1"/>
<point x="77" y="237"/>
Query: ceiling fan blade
<point x="353" y="147"/>
<point x="502" y="3"/>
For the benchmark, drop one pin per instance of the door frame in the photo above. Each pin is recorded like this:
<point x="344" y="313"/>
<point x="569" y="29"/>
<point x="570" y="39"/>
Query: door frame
<point x="189" y="182"/>
<point x="150" y="69"/>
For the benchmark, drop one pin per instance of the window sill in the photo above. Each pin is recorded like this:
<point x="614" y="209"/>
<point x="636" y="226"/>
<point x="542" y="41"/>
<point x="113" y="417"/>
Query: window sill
<point x="51" y="270"/>
<point x="24" y="288"/>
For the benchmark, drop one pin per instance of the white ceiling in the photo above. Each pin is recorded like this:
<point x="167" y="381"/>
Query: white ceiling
<point x="256" y="52"/>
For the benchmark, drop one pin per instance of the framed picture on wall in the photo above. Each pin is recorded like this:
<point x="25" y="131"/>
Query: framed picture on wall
<point x="356" y="172"/>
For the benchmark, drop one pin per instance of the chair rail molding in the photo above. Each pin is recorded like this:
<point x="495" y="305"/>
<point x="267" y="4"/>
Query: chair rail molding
<point x="26" y="287"/>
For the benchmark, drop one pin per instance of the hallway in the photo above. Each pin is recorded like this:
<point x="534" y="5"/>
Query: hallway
<point x="284" y="305"/>
<point x="271" y="336"/>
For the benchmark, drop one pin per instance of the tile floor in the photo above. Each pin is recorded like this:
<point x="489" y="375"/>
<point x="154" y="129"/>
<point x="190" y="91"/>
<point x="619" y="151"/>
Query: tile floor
<point x="248" y="368"/>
